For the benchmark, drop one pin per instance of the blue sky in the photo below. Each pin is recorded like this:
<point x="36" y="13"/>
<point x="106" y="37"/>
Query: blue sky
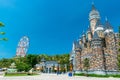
<point x="51" y="25"/>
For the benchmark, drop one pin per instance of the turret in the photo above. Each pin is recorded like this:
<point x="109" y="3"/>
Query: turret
<point x="97" y="50"/>
<point x="111" y="47"/>
<point x="89" y="34"/>
<point x="108" y="27"/>
<point x="76" y="45"/>
<point x="99" y="28"/>
<point x="93" y="17"/>
<point x="84" y="37"/>
<point x="73" y="46"/>
<point x="96" y="41"/>
<point x="109" y="35"/>
<point x="80" y="41"/>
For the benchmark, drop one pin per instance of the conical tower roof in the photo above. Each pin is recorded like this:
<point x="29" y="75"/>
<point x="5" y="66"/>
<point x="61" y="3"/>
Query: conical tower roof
<point x="76" y="44"/>
<point x="94" y="13"/>
<point x="89" y="29"/>
<point x="93" y="6"/>
<point x="95" y="36"/>
<point x="108" y="27"/>
<point x="99" y="26"/>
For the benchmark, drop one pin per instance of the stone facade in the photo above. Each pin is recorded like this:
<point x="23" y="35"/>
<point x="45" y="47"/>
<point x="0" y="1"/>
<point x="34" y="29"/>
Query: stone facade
<point x="99" y="44"/>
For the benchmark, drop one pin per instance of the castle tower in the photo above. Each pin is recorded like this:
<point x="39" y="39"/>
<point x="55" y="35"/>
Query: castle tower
<point x="99" y="44"/>
<point x="94" y="16"/>
<point x="99" y="28"/>
<point x="110" y="51"/>
<point x="117" y="41"/>
<point x="84" y="40"/>
<point x="108" y="27"/>
<point x="77" y="57"/>
<point x="73" y="46"/>
<point x="89" y="34"/>
<point x="80" y="42"/>
<point x="97" y="60"/>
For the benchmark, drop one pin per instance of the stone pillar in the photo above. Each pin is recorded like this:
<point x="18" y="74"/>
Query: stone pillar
<point x="48" y="69"/>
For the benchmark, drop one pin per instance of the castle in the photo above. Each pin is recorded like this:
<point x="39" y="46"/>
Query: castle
<point x="99" y="45"/>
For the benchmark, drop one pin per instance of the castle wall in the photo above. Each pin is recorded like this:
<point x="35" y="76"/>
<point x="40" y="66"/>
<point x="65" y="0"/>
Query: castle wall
<point x="78" y="59"/>
<point x="96" y="61"/>
<point x="110" y="53"/>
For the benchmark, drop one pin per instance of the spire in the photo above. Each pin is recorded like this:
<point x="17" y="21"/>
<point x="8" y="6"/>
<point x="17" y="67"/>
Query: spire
<point x="94" y="13"/>
<point x="107" y="24"/>
<point x="75" y="45"/>
<point x="108" y="27"/>
<point x="93" y="6"/>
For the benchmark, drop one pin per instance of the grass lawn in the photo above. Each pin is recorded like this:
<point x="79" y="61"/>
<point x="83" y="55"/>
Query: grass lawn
<point x="19" y="74"/>
<point x="95" y="75"/>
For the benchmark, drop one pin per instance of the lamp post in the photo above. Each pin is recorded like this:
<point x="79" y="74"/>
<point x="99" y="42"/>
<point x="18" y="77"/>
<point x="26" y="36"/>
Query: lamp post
<point x="58" y="67"/>
<point x="65" y="67"/>
<point x="71" y="67"/>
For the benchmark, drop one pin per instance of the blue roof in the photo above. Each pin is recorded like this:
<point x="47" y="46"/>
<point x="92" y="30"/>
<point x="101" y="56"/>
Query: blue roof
<point x="98" y="24"/>
<point x="93" y="7"/>
<point x="51" y="62"/>
<point x="77" y="45"/>
<point x="108" y="25"/>
<point x="95" y="36"/>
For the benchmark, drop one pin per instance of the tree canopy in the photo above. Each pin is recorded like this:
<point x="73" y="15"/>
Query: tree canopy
<point x="28" y="62"/>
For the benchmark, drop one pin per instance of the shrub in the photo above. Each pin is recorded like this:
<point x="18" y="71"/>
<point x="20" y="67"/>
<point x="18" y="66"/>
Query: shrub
<point x="96" y="75"/>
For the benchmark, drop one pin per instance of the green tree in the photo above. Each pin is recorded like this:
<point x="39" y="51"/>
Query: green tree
<point x="31" y="60"/>
<point x="2" y="33"/>
<point x="86" y="65"/>
<point x="28" y="62"/>
<point x="5" y="63"/>
<point x="22" y="67"/>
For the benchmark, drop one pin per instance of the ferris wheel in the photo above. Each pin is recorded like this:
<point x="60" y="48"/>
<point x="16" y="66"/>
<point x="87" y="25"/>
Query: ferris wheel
<point x="22" y="47"/>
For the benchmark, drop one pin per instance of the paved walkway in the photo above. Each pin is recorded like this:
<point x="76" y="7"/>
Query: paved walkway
<point x="54" y="77"/>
